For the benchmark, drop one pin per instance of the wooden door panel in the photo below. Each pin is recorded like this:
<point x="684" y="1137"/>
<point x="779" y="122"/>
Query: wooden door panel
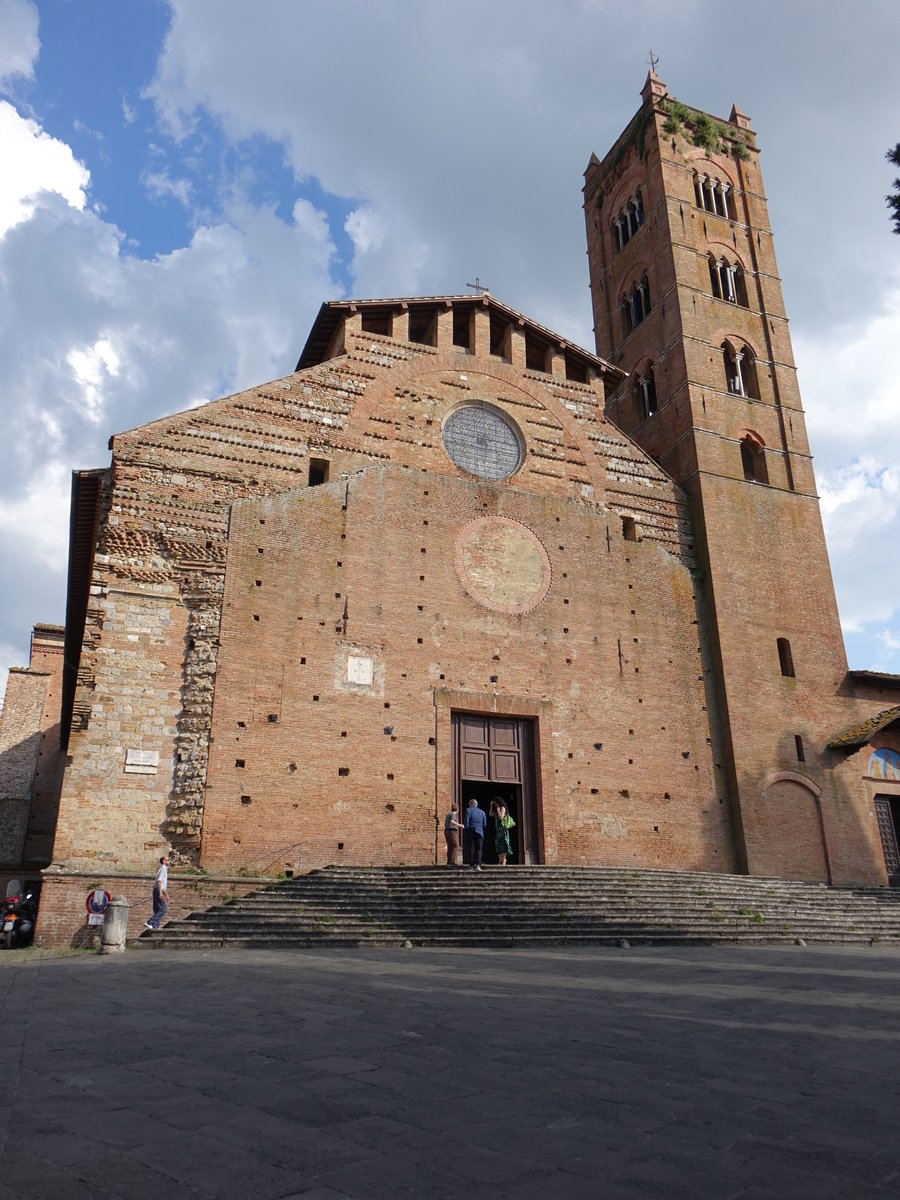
<point x="888" y="835"/>
<point x="473" y="730"/>
<point x="505" y="734"/>
<point x="475" y="764"/>
<point x="506" y="767"/>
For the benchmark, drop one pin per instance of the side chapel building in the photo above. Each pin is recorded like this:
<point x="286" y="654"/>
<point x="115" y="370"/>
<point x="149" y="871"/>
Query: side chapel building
<point x="454" y="555"/>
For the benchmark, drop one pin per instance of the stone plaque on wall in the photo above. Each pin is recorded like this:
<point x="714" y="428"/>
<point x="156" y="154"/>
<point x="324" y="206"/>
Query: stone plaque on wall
<point x="141" y="762"/>
<point x="360" y="670"/>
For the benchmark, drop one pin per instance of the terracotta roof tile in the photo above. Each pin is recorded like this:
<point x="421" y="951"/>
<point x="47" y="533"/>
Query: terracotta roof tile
<point x="861" y="733"/>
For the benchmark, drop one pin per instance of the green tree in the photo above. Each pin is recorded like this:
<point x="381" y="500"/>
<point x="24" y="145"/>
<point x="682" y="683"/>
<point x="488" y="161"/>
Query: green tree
<point x="893" y="199"/>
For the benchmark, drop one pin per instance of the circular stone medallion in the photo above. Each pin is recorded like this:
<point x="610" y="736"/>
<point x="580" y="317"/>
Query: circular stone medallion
<point x="502" y="565"/>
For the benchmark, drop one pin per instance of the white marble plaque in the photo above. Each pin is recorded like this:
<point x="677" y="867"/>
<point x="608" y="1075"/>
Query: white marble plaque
<point x="141" y="762"/>
<point x="360" y="670"/>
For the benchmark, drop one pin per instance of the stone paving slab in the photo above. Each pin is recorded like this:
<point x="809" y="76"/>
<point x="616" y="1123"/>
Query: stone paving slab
<point x="700" y="1072"/>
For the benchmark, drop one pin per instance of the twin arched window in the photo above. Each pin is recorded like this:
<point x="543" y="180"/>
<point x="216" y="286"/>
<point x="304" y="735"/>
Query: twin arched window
<point x="712" y="195"/>
<point x="740" y="371"/>
<point x="727" y="281"/>
<point x="628" y="221"/>
<point x="636" y="305"/>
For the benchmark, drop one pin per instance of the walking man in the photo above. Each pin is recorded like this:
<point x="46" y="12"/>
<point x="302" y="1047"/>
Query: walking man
<point x="475" y="826"/>
<point x="160" y="894"/>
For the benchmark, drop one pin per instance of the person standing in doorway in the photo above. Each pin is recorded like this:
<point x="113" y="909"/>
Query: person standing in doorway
<point x="475" y="825"/>
<point x="160" y="894"/>
<point x="452" y="827"/>
<point x="501" y="819"/>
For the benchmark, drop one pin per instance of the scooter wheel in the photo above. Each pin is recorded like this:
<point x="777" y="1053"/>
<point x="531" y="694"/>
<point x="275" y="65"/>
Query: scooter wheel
<point x="9" y="939"/>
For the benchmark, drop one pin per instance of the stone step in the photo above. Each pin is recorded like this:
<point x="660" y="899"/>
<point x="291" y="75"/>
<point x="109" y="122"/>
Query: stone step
<point x="535" y="905"/>
<point x="612" y="937"/>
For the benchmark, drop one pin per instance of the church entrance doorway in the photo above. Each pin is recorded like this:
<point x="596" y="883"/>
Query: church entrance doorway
<point x="495" y="756"/>
<point x="887" y="810"/>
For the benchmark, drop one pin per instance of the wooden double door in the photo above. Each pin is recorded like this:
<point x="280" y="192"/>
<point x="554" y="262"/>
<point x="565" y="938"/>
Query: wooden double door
<point x="495" y="757"/>
<point x="887" y="810"/>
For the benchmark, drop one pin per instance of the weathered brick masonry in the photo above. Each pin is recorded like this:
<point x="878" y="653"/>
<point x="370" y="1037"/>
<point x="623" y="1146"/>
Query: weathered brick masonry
<point x="31" y="762"/>
<point x="452" y="554"/>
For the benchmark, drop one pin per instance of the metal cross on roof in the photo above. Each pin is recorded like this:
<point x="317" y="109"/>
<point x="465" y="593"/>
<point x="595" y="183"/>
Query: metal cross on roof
<point x="478" y="287"/>
<point x="652" y="61"/>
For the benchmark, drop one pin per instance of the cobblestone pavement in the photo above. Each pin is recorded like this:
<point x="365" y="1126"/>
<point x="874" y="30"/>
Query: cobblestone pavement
<point x="706" y="1072"/>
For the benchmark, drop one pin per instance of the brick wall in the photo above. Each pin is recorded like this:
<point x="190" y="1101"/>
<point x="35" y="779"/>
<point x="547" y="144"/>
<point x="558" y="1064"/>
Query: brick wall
<point x="303" y="757"/>
<point x="62" y="915"/>
<point x="20" y="736"/>
<point x="150" y="667"/>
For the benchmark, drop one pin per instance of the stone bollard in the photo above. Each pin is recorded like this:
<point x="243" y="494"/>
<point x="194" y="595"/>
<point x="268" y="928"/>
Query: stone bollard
<point x="115" y="926"/>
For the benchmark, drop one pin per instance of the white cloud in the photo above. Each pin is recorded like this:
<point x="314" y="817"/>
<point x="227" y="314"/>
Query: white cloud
<point x="93" y="340"/>
<point x="31" y="520"/>
<point x="365" y="229"/>
<point x="129" y="112"/>
<point x="852" y="398"/>
<point x="861" y="511"/>
<point x="19" y="44"/>
<point x="161" y="186"/>
<point x="92" y="367"/>
<point x="34" y="162"/>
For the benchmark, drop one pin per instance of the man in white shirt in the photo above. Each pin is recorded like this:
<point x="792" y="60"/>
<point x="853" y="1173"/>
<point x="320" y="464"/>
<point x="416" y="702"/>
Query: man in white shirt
<point x="160" y="894"/>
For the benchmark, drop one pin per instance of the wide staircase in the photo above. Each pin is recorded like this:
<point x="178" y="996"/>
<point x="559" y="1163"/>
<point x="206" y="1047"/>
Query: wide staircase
<point x="519" y="906"/>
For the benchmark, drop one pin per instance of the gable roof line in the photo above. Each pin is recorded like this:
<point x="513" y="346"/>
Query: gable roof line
<point x="858" y="734"/>
<point x="327" y="319"/>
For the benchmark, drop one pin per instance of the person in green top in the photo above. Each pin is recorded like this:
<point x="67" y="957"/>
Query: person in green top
<point x="503" y="822"/>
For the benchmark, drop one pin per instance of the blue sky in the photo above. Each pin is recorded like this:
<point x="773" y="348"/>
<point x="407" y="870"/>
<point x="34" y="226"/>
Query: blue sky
<point x="185" y="183"/>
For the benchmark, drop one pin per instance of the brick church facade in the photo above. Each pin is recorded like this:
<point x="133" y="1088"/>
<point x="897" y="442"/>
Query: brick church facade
<point x="453" y="555"/>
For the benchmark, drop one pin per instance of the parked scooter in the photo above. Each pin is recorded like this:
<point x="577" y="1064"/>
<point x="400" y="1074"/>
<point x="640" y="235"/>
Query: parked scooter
<point x="19" y="911"/>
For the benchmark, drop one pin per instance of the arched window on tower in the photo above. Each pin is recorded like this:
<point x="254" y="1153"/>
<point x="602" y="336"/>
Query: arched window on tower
<point x="753" y="458"/>
<point x="628" y="221"/>
<point x="647" y="403"/>
<point x="740" y="371"/>
<point x="713" y="195"/>
<point x="727" y="281"/>
<point x="636" y="305"/>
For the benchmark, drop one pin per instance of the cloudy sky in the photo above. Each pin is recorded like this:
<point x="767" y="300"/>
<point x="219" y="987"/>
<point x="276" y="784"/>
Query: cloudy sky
<point x="182" y="182"/>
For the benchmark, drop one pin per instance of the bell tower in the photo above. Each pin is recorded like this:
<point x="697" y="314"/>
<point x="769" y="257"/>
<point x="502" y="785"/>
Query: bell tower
<point x="687" y="301"/>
